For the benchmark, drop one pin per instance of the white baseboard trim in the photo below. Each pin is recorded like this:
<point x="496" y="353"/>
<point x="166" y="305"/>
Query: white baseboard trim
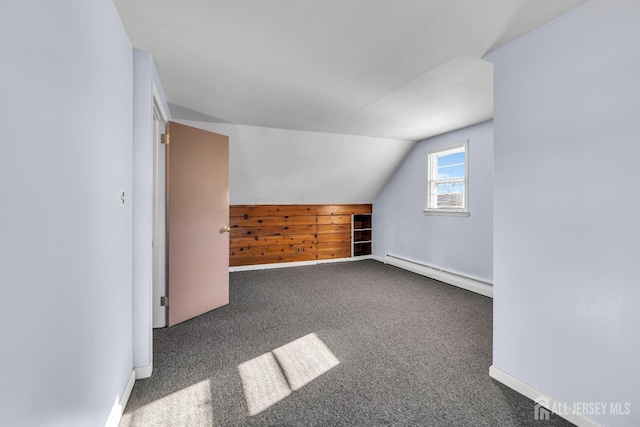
<point x="455" y="279"/>
<point x="377" y="258"/>
<point x="296" y="264"/>
<point x="270" y="266"/>
<point x="541" y="399"/>
<point x="121" y="402"/>
<point x="143" y="371"/>
<point x="331" y="261"/>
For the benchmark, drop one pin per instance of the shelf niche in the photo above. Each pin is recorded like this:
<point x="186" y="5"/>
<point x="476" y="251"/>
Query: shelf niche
<point x="361" y="235"/>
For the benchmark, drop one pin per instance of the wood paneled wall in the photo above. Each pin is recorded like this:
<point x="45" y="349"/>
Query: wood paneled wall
<point x="265" y="234"/>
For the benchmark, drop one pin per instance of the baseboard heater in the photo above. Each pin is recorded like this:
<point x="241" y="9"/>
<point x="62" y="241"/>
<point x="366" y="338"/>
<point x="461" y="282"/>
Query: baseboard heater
<point x="455" y="279"/>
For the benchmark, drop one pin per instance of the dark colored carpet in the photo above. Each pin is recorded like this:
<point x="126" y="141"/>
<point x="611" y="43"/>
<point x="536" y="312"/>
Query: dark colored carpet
<point x="412" y="351"/>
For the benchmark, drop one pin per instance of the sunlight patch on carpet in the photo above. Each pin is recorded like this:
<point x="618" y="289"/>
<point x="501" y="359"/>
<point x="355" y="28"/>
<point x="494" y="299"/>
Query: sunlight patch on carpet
<point x="189" y="406"/>
<point x="263" y="383"/>
<point x="269" y="378"/>
<point x="304" y="360"/>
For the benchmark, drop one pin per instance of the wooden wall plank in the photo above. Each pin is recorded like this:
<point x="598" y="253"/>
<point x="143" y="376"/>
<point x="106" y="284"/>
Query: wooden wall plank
<point x="273" y="230"/>
<point x="238" y="221"/>
<point x="332" y="246"/>
<point x="344" y="253"/>
<point x="334" y="219"/>
<point x="273" y="210"/>
<point x="334" y="228"/>
<point x="336" y="237"/>
<point x="239" y="242"/>
<point x="272" y="250"/>
<point x="343" y="209"/>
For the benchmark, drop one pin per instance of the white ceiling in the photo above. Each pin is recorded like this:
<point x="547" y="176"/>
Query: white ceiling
<point x="403" y="69"/>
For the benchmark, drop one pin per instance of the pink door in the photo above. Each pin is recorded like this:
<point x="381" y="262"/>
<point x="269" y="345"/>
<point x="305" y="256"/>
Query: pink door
<point x="197" y="215"/>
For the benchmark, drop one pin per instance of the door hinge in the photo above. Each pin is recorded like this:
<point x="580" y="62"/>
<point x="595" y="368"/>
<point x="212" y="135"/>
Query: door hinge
<point x="164" y="301"/>
<point x="165" y="138"/>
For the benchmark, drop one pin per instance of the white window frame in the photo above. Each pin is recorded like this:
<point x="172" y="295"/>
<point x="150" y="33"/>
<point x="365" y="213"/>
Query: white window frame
<point x="432" y="168"/>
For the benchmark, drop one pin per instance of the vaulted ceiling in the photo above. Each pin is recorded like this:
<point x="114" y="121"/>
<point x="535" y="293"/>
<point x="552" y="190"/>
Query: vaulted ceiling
<point x="403" y="69"/>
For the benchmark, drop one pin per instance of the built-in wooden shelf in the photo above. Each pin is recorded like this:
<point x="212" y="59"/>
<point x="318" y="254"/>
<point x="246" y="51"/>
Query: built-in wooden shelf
<point x="361" y="235"/>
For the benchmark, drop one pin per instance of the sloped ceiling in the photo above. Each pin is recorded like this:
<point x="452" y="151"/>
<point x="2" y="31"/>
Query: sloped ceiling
<point x="280" y="166"/>
<point x="403" y="69"/>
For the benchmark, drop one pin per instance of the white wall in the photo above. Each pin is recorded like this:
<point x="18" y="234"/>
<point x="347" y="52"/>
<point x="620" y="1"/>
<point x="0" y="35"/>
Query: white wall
<point x="458" y="244"/>
<point x="566" y="257"/>
<point x="65" y="246"/>
<point x="277" y="166"/>
<point x="145" y="78"/>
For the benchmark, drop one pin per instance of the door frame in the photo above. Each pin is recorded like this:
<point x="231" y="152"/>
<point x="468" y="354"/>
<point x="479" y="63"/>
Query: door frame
<point x="159" y="223"/>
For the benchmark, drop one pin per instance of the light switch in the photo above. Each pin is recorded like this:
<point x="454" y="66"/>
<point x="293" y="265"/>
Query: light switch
<point x="121" y="198"/>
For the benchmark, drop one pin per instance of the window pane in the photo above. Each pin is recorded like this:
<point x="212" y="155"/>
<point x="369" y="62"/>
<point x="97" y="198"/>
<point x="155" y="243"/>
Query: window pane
<point x="450" y="188"/>
<point x="453" y="171"/>
<point x="450" y="196"/>
<point x="451" y="159"/>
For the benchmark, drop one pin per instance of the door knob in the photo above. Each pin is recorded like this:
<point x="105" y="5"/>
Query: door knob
<point x="226" y="229"/>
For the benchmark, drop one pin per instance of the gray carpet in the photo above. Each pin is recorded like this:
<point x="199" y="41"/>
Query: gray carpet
<point x="411" y="351"/>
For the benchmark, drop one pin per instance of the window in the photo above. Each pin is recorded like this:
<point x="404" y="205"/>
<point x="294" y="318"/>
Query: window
<point x="447" y="189"/>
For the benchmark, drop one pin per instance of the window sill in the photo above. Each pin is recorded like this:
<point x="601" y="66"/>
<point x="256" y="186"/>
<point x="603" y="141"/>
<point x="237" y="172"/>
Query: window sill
<point x="446" y="213"/>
